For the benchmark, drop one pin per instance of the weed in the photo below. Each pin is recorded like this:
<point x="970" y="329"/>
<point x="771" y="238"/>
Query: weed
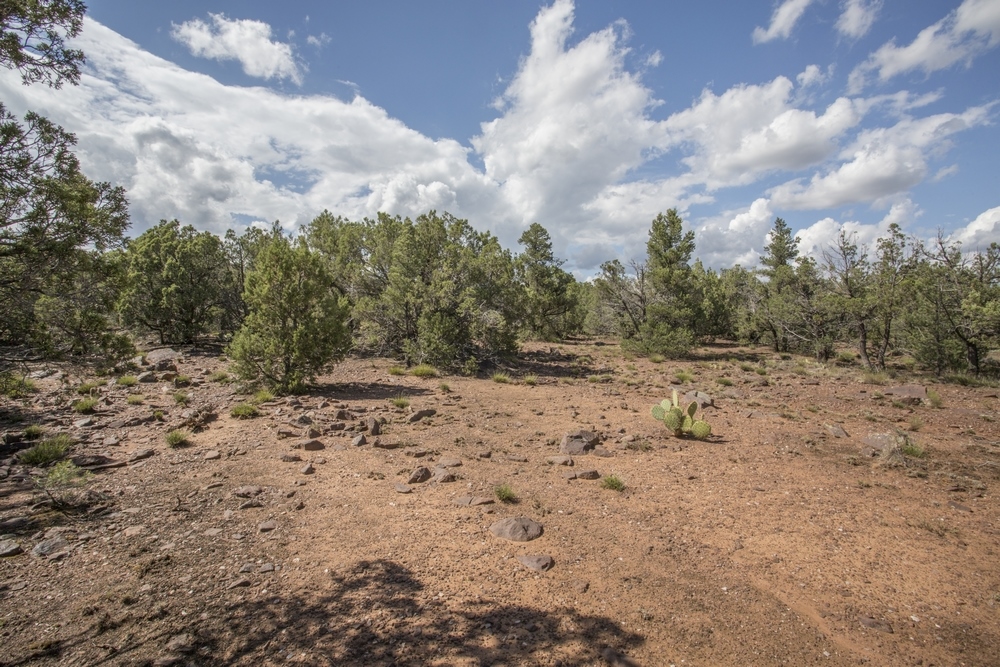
<point x="785" y="413"/>
<point x="812" y="408"/>
<point x="800" y="370"/>
<point x="878" y="378"/>
<point x="940" y="531"/>
<point x="181" y="398"/>
<point x="13" y="386"/>
<point x="262" y="396"/>
<point x="872" y="417"/>
<point x="134" y="399"/>
<point x="64" y="474"/>
<point x="747" y="368"/>
<point x="33" y="432"/>
<point x="760" y="371"/>
<point x="639" y="446"/>
<point x="505" y="494"/>
<point x="177" y="438"/>
<point x="594" y="379"/>
<point x="786" y="357"/>
<point x="725" y="382"/>
<point x="864" y="484"/>
<point x="683" y="376"/>
<point x="244" y="411"/>
<point x="916" y="423"/>
<point x="899" y="405"/>
<point x="444" y="387"/>
<point x="88" y="387"/>
<point x="85" y="405"/>
<point x="400" y="401"/>
<point x="127" y="381"/>
<point x="531" y="380"/>
<point x="845" y="358"/>
<point x="220" y="376"/>
<point x="630" y="367"/>
<point x="877" y="396"/>
<point x="46" y="451"/>
<point x="424" y="371"/>
<point x="158" y="415"/>
<point x="500" y="378"/>
<point x="612" y="482"/>
<point x="182" y="380"/>
<point x="912" y="449"/>
<point x="397" y="370"/>
<point x="934" y="399"/>
<point x="657" y="358"/>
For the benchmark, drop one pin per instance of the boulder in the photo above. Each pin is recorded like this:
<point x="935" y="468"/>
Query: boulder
<point x="579" y="442"/>
<point x="517" y="529"/>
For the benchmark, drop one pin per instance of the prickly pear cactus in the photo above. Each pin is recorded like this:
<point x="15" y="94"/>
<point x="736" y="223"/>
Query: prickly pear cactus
<point x="681" y="421"/>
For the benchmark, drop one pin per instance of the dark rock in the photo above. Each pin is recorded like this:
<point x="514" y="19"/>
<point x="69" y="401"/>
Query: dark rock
<point x="419" y="475"/>
<point x="90" y="460"/>
<point x="50" y="546"/>
<point x="403" y="488"/>
<point x="287" y="433"/>
<point x="311" y="445"/>
<point x="247" y="491"/>
<point x="291" y="458"/>
<point x="268" y="526"/>
<point x="307" y="469"/>
<point x="359" y="440"/>
<point x="449" y="463"/>
<point x="343" y="415"/>
<point x="517" y="529"/>
<point x="579" y="442"/>
<point x="242" y="582"/>
<point x="444" y="477"/>
<point x="617" y="659"/>
<point x="560" y="460"/>
<point x="588" y="474"/>
<point x="384" y="445"/>
<point x="484" y="455"/>
<point x="266" y="567"/>
<point x="537" y="563"/>
<point x="421" y="414"/>
<point x="140" y="454"/>
<point x="374" y="427"/>
<point x="15" y="523"/>
<point x="10" y="548"/>
<point x="416" y="453"/>
<point x="602" y="452"/>
<point x="146" y="376"/>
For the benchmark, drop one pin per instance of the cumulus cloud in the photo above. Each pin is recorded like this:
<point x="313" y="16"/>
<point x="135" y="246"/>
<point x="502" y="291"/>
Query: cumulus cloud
<point x="783" y="21"/>
<point x="735" y="237"/>
<point x="243" y="40"/>
<point x="858" y="17"/>
<point x="964" y="34"/>
<point x="819" y="237"/>
<point x="981" y="232"/>
<point x="318" y="41"/>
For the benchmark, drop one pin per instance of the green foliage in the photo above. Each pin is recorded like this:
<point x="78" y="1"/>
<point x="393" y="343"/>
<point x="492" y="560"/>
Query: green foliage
<point x="500" y="378"/>
<point x="934" y="398"/>
<point x="33" y="432"/>
<point x="657" y="358"/>
<point x="397" y="370"/>
<point x="66" y="474"/>
<point x="613" y="483"/>
<point x="181" y="397"/>
<point x="724" y="381"/>
<point x="530" y="380"/>
<point x="127" y="381"/>
<point x="550" y="302"/>
<point x="158" y="415"/>
<point x="244" y="411"/>
<point x="444" y="387"/>
<point x="85" y="406"/>
<point x="297" y="323"/>
<point x="680" y="421"/>
<point x="135" y="399"/>
<point x="505" y="494"/>
<point x="46" y="451"/>
<point x="221" y="377"/>
<point x="177" y="438"/>
<point x="911" y="448"/>
<point x="14" y="386"/>
<point x="424" y="371"/>
<point x="174" y="279"/>
<point x="88" y="387"/>
<point x="33" y="40"/>
<point x="400" y="401"/>
<point x="262" y="396"/>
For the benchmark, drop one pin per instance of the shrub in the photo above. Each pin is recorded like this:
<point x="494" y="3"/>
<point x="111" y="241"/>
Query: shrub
<point x="177" y="438"/>
<point x="135" y="399"/>
<point x="444" y="387"/>
<point x="158" y="415"/>
<point x="505" y="494"/>
<point x="244" y="411"/>
<point x="400" y="401"/>
<point x="912" y="449"/>
<point x="181" y="398"/>
<point x="870" y="377"/>
<point x="88" y="387"/>
<point x="127" y="381"/>
<point x="747" y="368"/>
<point x="424" y="371"/>
<point x="500" y="378"/>
<point x="220" y="376"/>
<point x="531" y="380"/>
<point x="65" y="474"/>
<point x="612" y="482"/>
<point x="657" y="358"/>
<point x="33" y="432"/>
<point x="683" y="376"/>
<point x="13" y="386"/>
<point x="397" y="370"/>
<point x="760" y="371"/>
<point x="916" y="423"/>
<point x="182" y="380"/>
<point x="262" y="396"/>
<point x="934" y="399"/>
<point x="725" y="382"/>
<point x="46" y="451"/>
<point x="85" y="405"/>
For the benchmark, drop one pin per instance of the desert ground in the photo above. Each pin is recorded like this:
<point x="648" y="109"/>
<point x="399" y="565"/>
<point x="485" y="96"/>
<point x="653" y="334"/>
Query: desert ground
<point x="832" y="518"/>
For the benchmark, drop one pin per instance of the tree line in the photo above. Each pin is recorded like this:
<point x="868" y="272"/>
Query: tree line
<point x="431" y="290"/>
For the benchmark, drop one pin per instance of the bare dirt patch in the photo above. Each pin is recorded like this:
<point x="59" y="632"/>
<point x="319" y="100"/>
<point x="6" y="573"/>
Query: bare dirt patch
<point x="807" y="529"/>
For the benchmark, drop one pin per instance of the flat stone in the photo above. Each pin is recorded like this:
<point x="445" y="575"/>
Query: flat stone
<point x="449" y="463"/>
<point x="403" y="488"/>
<point x="10" y="548"/>
<point x="421" y="414"/>
<point x="154" y="357"/>
<point x="291" y="458"/>
<point x="416" y="453"/>
<point x="419" y="475"/>
<point x="343" y="415"/>
<point x="602" y="452"/>
<point x="444" y="477"/>
<point x="875" y="624"/>
<point x="247" y="491"/>
<point x="83" y="423"/>
<point x="287" y="433"/>
<point x="312" y="445"/>
<point x="359" y="440"/>
<point x="15" y="523"/>
<point x="379" y="444"/>
<point x="267" y="526"/>
<point x="909" y="394"/>
<point x="484" y="454"/>
<point x="181" y="643"/>
<point x="537" y="563"/>
<point x="374" y="426"/>
<point x="212" y="532"/>
<point x="578" y="442"/>
<point x="146" y="376"/>
<point x="140" y="454"/>
<point x="517" y="529"/>
<point x="581" y="586"/>
<point x="266" y="567"/>
<point x="701" y="398"/>
<point x="242" y="582"/>
<point x="560" y="460"/>
<point x="958" y="506"/>
<point x="50" y="546"/>
<point x="517" y="458"/>
<point x="836" y="430"/>
<point x="307" y="469"/>
<point x="133" y="531"/>
<point x="569" y="476"/>
<point x="588" y="474"/>
<point x="212" y="455"/>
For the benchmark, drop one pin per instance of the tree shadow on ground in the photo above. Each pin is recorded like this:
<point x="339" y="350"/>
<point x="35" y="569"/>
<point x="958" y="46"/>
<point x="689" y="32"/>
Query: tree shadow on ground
<point x="356" y="391"/>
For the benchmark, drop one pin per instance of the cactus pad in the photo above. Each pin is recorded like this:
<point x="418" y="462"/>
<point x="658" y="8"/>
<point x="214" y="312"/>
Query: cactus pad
<point x="701" y="429"/>
<point x="658" y="412"/>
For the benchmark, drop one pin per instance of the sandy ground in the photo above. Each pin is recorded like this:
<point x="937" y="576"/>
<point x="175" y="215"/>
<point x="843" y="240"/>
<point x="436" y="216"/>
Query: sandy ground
<point x="782" y="540"/>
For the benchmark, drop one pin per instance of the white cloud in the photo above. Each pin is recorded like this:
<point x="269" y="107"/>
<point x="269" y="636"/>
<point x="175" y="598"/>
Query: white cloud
<point x="322" y="40"/>
<point x="244" y="40"/>
<point x="821" y="236"/>
<point x="981" y="232"/>
<point x="945" y="172"/>
<point x="961" y="36"/>
<point x="783" y="21"/>
<point x="735" y="237"/>
<point x="810" y="76"/>
<point x="880" y="163"/>
<point x="858" y="17"/>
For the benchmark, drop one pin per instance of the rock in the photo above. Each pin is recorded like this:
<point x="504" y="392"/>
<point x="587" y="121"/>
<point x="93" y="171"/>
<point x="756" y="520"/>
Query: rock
<point x="518" y="458"/>
<point x="313" y="432"/>
<point x="602" y="452"/>
<point x="146" y="376"/>
<point x="140" y="454"/>
<point x="374" y="427"/>
<point x="384" y="445"/>
<point x="588" y="474"/>
<point x="212" y="455"/>
<point x="537" y="563"/>
<point x="416" y="453"/>
<point x="908" y="394"/>
<point x="419" y="475"/>
<point x="268" y="526"/>
<point x="181" y="643"/>
<point x="875" y="624"/>
<point x="581" y="586"/>
<point x="617" y="659"/>
<point x="403" y="488"/>
<point x="421" y="414"/>
<point x="578" y="442"/>
<point x="307" y="469"/>
<point x="569" y="476"/>
<point x="286" y="433"/>
<point x="154" y="357"/>
<point x="10" y="548"/>
<point x="111" y="441"/>
<point x="484" y="454"/>
<point x="50" y="546"/>
<point x="15" y="523"/>
<point x="444" y="477"/>
<point x="212" y="532"/>
<point x="560" y="460"/>
<point x="836" y="430"/>
<point x="517" y="529"/>
<point x="291" y="458"/>
<point x="242" y="582"/>
<point x="134" y="531"/>
<point x="343" y="415"/>
<point x="247" y="491"/>
<point x="449" y="463"/>
<point x="359" y="440"/>
<point x="83" y="423"/>
<point x="90" y="460"/>
<point x="701" y="398"/>
<point x="312" y="445"/>
<point x="266" y="567"/>
<point x="958" y="506"/>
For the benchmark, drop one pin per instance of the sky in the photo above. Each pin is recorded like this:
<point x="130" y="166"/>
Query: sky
<point x="588" y="117"/>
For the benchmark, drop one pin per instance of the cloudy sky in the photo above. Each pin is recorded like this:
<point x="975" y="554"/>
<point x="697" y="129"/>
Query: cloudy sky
<point x="588" y="117"/>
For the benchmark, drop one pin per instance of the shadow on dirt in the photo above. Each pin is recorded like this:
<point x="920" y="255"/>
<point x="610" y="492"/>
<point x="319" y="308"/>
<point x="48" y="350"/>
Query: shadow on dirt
<point x="357" y="391"/>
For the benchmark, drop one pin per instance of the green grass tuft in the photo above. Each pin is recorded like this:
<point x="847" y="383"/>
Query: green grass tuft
<point x="725" y="382"/>
<point x="46" y="451"/>
<point x="444" y="387"/>
<point x="244" y="411"/>
<point x="683" y="376"/>
<point x="400" y="401"/>
<point x="177" y="438"/>
<point x="88" y="387"/>
<point x="935" y="399"/>
<point x="85" y="405"/>
<point x="135" y="399"/>
<point x="220" y="376"/>
<point x="657" y="358"/>
<point x="612" y="482"/>
<point x="33" y="432"/>
<point x="531" y="380"/>
<point x="500" y="378"/>
<point x="13" y="386"/>
<point x="397" y="370"/>
<point x="262" y="396"/>
<point x="65" y="474"/>
<point x="181" y="398"/>
<point x="182" y="380"/>
<point x="127" y="381"/>
<point x="505" y="494"/>
<point x="424" y="371"/>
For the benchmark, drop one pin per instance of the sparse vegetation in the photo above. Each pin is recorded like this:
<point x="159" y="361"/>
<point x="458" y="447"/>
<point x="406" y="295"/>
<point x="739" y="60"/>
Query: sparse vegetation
<point x="127" y="381"/>
<point x="397" y="370"/>
<point x="683" y="376"/>
<point x="531" y="380"/>
<point x="14" y="386"/>
<point x="444" y="388"/>
<point x="760" y="371"/>
<point x="876" y="378"/>
<point x="33" y="432"/>
<point x="500" y="378"/>
<point x="85" y="406"/>
<point x="46" y="451"/>
<point x="181" y="397"/>
<point x="916" y="423"/>
<point x="182" y="381"/>
<point x="400" y="401"/>
<point x="177" y="438"/>
<point x="262" y="396"/>
<point x="657" y="358"/>
<point x="424" y="371"/>
<point x="244" y="411"/>
<point x="725" y="382"/>
<point x="221" y="377"/>
<point x="66" y="474"/>
<point x="505" y="494"/>
<point x="158" y="415"/>
<point x="88" y="388"/>
<point x="612" y="482"/>
<point x="934" y="398"/>
<point x="135" y="399"/>
<point x="912" y="449"/>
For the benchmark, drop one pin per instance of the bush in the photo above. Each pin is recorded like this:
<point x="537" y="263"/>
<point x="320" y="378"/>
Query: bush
<point x="397" y="370"/>
<point x="505" y="494"/>
<point x="612" y="482"/>
<point x="177" y="438"/>
<point x="85" y="406"/>
<point x="181" y="398"/>
<point x="13" y="386"/>
<point x="400" y="401"/>
<point x="127" y="381"/>
<point x="33" y="432"/>
<point x="531" y="380"/>
<point x="182" y="380"/>
<point x="501" y="378"/>
<point x="47" y="451"/>
<point x="244" y="411"/>
<point x="88" y="387"/>
<point x="220" y="376"/>
<point x="262" y="396"/>
<point x="424" y="371"/>
<point x="66" y="474"/>
<point x="135" y="399"/>
<point x="297" y="324"/>
<point x="934" y="399"/>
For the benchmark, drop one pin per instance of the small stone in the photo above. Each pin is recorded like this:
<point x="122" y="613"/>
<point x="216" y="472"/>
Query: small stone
<point x="701" y="398"/>
<point x="875" y="624"/>
<point x="588" y="474"/>
<point x="242" y="582"/>
<point x="133" y="531"/>
<point x="266" y="567"/>
<point x="617" y="659"/>
<point x="291" y="458"/>
<point x="481" y="500"/>
<point x="267" y="526"/>
<point x="444" y="477"/>
<point x="569" y="476"/>
<point x="111" y="441"/>
<point x="359" y="440"/>
<point x="307" y="469"/>
<point x="416" y="453"/>
<point x="180" y="643"/>
<point x="380" y="444"/>
<point x="374" y="426"/>
<point x="421" y="414"/>
<point x="212" y="455"/>
<point x="517" y="529"/>
<point x="578" y="442"/>
<point x="602" y="452"/>
<point x="247" y="491"/>
<point x="836" y="430"/>
<point x="517" y="458"/>
<point x="581" y="586"/>
<point x="140" y="454"/>
<point x="146" y="376"/>
<point x="403" y="488"/>
<point x="449" y="463"/>
<point x="537" y="563"/>
<point x="419" y="475"/>
<point x="319" y="460"/>
<point x="247" y="567"/>
<point x="959" y="506"/>
<point x="10" y="548"/>
<point x="312" y="445"/>
<point x="484" y="454"/>
<point x="212" y="532"/>
<point x="286" y="433"/>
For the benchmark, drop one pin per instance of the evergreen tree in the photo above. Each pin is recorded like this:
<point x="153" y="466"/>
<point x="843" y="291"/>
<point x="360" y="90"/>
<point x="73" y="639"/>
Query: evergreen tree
<point x="549" y="297"/>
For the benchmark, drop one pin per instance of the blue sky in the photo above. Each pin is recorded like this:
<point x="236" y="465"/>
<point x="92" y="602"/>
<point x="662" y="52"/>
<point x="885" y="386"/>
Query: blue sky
<point x="588" y="117"/>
